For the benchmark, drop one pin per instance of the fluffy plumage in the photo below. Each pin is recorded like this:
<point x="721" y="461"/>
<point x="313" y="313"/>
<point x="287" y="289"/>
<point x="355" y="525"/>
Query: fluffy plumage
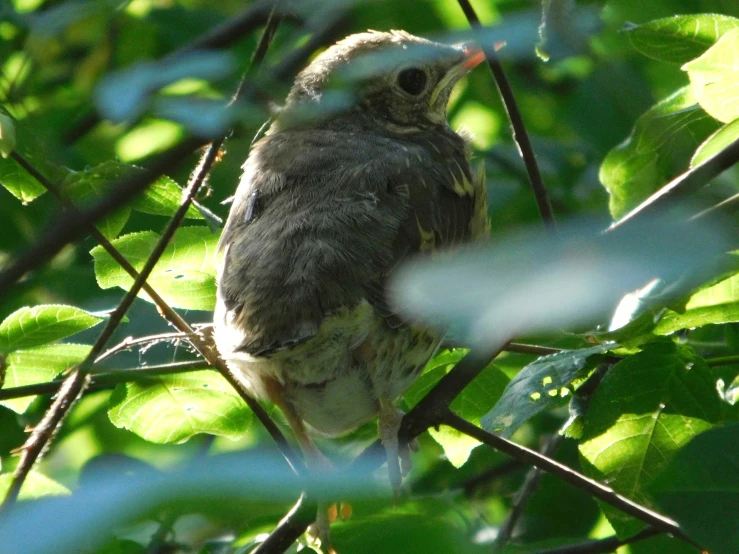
<point x="331" y="201"/>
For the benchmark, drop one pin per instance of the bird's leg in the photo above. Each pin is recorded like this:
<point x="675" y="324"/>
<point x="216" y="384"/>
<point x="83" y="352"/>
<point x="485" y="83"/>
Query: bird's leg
<point x="315" y="460"/>
<point x="398" y="455"/>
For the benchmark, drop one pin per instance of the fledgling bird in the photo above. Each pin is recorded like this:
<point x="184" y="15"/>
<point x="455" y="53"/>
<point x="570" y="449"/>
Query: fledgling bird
<point x="358" y="172"/>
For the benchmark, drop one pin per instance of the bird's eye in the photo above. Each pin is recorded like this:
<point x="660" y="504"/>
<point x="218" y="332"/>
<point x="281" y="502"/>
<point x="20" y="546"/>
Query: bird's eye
<point x="412" y="80"/>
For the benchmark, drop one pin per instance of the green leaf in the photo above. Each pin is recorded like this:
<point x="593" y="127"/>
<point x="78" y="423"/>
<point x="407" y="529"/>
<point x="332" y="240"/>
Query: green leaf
<point x="171" y="409"/>
<point x="39" y="365"/>
<point x="537" y="387"/>
<point x="657" y="150"/>
<point x="185" y="275"/>
<point x="716" y="304"/>
<point x="646" y="408"/>
<point x="394" y="532"/>
<point x="680" y="38"/>
<point x="90" y="185"/>
<point x="19" y="183"/>
<point x="35" y="486"/>
<point x="7" y="134"/>
<point x="714" y="144"/>
<point x="474" y="401"/>
<point x="715" y="78"/>
<point x="38" y="143"/>
<point x="29" y="327"/>
<point x="699" y="488"/>
<point x="163" y="197"/>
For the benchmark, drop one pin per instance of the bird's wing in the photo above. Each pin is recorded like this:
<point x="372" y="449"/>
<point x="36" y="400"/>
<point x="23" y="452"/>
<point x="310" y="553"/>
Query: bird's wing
<point x="310" y="237"/>
<point x="446" y="206"/>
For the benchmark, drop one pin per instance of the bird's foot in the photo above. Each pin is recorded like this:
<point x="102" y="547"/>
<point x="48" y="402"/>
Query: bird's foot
<point x="398" y="455"/>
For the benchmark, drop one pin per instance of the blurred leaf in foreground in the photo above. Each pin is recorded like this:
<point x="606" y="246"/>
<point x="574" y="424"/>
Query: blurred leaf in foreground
<point x="530" y="283"/>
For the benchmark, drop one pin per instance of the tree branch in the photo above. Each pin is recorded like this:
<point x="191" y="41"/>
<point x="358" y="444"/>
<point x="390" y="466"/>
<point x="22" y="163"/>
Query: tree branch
<point x="530" y="484"/>
<point x="520" y="135"/>
<point x="593" y="488"/>
<point x="106" y="379"/>
<point x="681" y="186"/>
<point x="602" y="546"/>
<point x="290" y="528"/>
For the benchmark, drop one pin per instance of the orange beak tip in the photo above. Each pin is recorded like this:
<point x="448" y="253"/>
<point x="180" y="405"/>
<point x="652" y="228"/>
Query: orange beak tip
<point x="474" y="56"/>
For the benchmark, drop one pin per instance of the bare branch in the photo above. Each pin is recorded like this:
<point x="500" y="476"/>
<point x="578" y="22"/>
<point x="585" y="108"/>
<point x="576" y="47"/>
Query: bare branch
<point x="530" y="484"/>
<point x="681" y="186"/>
<point x="520" y="135"/>
<point x="593" y="488"/>
<point x="106" y="379"/>
<point x="602" y="546"/>
<point x="70" y="391"/>
<point x="533" y="349"/>
<point x="290" y="528"/>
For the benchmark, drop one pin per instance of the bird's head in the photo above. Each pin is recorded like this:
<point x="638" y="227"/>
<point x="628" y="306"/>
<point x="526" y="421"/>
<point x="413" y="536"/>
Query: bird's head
<point x="398" y="80"/>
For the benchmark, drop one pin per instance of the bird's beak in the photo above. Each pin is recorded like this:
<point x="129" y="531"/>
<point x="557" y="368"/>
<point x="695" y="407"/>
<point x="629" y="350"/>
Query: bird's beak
<point x="473" y="55"/>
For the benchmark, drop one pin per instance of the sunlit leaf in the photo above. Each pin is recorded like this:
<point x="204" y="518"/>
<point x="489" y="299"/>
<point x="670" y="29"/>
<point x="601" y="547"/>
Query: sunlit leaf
<point x="35" y="486"/>
<point x="537" y="387"/>
<point x="662" y="141"/>
<point x="163" y="197"/>
<point x="680" y="38"/>
<point x="718" y="303"/>
<point x="715" y="78"/>
<point x="30" y="140"/>
<point x="185" y="275"/>
<point x="714" y="144"/>
<point x="700" y="489"/>
<point x="39" y="365"/>
<point x="646" y="408"/>
<point x="7" y="134"/>
<point x="30" y="327"/>
<point x="472" y="403"/>
<point x="172" y="409"/>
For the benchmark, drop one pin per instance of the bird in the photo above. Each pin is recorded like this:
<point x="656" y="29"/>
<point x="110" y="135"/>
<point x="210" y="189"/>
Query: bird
<point x="358" y="173"/>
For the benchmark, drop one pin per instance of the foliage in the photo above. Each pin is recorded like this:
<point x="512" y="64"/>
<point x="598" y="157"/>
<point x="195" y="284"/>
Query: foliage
<point x="631" y="95"/>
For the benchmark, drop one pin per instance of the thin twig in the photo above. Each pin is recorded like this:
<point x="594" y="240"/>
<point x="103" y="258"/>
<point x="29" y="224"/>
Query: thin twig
<point x="106" y="379"/>
<point x="77" y="380"/>
<point x="130" y="342"/>
<point x="38" y="442"/>
<point x="723" y="360"/>
<point x="290" y="528"/>
<point x="164" y="309"/>
<point x="684" y="184"/>
<point x="520" y="135"/>
<point x="530" y="484"/>
<point x="501" y="470"/>
<point x="534" y="349"/>
<point x="593" y="488"/>
<point x="602" y="546"/>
